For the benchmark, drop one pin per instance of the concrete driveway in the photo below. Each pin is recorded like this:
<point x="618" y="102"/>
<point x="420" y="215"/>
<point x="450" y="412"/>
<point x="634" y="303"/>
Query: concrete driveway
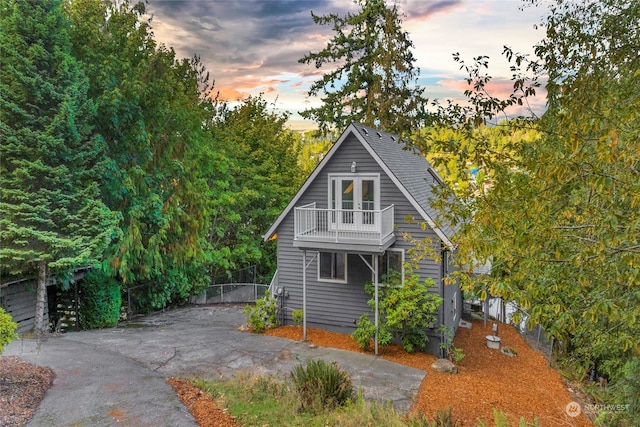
<point x="117" y="376"/>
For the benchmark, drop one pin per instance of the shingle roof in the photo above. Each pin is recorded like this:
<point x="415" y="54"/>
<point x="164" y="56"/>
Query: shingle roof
<point x="409" y="170"/>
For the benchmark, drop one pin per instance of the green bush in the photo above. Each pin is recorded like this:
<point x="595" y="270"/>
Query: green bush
<point x="297" y="316"/>
<point x="622" y="393"/>
<point x="100" y="300"/>
<point x="406" y="311"/>
<point x="262" y="315"/>
<point x="454" y="354"/>
<point x="321" y="386"/>
<point x="365" y="333"/>
<point x="7" y="329"/>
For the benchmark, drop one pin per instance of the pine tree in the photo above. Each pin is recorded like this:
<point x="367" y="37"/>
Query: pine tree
<point x="373" y="84"/>
<point x="51" y="217"/>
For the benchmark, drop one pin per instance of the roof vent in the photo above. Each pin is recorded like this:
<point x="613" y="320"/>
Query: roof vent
<point x="393" y="138"/>
<point x="365" y="131"/>
<point x="379" y="134"/>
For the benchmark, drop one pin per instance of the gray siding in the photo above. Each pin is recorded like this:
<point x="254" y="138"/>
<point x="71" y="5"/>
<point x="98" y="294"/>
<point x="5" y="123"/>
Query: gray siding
<point x="336" y="306"/>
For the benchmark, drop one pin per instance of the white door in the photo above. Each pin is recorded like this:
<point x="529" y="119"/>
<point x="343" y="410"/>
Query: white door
<point x="355" y="199"/>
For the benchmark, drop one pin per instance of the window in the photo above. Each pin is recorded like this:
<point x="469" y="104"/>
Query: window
<point x="390" y="266"/>
<point x="332" y="267"/>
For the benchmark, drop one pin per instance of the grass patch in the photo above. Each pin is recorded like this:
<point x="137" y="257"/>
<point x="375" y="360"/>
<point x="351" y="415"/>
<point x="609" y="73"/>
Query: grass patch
<point x="271" y="400"/>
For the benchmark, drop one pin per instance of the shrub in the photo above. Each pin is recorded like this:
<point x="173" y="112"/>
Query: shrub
<point x="297" y="316"/>
<point x="406" y="312"/>
<point x="262" y="315"/>
<point x="100" y="300"/>
<point x="321" y="386"/>
<point x="453" y="353"/>
<point x="622" y="393"/>
<point x="7" y="329"/>
<point x="365" y="333"/>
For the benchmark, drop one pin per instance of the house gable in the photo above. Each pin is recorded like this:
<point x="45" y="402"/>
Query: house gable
<point x="409" y="171"/>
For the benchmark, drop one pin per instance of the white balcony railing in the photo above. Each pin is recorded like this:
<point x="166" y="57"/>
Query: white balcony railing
<point x="343" y="225"/>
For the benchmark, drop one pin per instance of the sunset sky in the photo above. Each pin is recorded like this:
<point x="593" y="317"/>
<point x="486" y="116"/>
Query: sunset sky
<point x="253" y="46"/>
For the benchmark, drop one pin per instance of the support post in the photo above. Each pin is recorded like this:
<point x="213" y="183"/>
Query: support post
<point x="375" y="278"/>
<point x="304" y="295"/>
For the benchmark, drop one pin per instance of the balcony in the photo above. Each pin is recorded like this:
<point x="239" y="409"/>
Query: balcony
<point x="348" y="230"/>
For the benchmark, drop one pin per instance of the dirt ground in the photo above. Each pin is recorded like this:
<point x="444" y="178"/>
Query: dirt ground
<point x="201" y="405"/>
<point x="520" y="386"/>
<point x="22" y="386"/>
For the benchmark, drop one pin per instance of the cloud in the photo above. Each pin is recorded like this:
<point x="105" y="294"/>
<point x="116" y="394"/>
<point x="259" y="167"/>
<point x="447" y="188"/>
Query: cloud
<point x="420" y="10"/>
<point x="229" y="94"/>
<point x="253" y="46"/>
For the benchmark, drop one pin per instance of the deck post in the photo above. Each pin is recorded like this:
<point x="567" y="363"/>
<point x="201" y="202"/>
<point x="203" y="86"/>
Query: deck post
<point x="304" y="295"/>
<point x="375" y="279"/>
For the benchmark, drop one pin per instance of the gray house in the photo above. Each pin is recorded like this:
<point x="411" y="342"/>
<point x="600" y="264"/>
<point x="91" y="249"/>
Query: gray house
<point x="347" y="225"/>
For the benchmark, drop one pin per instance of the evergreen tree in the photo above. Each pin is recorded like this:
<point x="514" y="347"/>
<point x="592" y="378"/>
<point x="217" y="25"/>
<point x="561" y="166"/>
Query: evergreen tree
<point x="151" y="111"/>
<point x="51" y="216"/>
<point x="372" y="82"/>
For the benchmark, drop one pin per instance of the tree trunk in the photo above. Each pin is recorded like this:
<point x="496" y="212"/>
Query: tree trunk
<point x="41" y="300"/>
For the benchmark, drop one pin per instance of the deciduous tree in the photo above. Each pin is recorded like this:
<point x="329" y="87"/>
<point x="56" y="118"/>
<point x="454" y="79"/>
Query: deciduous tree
<point x="560" y="223"/>
<point x="252" y="170"/>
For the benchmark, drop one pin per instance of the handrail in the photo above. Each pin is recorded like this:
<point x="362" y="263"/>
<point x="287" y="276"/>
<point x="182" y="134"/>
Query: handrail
<point x="313" y="223"/>
<point x="273" y="284"/>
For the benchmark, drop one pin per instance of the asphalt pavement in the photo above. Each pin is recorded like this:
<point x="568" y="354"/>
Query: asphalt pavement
<point x="116" y="376"/>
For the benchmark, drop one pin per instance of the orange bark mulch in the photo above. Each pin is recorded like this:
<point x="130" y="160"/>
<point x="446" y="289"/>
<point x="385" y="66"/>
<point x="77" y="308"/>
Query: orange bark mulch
<point x="520" y="386"/>
<point x="201" y="405"/>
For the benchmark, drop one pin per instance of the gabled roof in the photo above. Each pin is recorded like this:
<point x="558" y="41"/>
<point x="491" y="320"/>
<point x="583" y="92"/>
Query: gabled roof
<point x="409" y="171"/>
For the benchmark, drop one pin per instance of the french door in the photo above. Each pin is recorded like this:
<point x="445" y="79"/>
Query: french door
<point x="355" y="199"/>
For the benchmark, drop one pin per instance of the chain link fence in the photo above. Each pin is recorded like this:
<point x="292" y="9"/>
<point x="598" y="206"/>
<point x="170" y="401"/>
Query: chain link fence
<point x="240" y="286"/>
<point x="510" y="314"/>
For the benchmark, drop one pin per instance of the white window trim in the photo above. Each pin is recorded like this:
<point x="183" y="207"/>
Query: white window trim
<point x="346" y="269"/>
<point x="402" y="252"/>
<point x="374" y="176"/>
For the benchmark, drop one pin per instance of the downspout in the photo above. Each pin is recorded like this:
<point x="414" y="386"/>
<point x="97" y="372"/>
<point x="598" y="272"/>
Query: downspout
<point x="374" y="270"/>
<point x="443" y="268"/>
